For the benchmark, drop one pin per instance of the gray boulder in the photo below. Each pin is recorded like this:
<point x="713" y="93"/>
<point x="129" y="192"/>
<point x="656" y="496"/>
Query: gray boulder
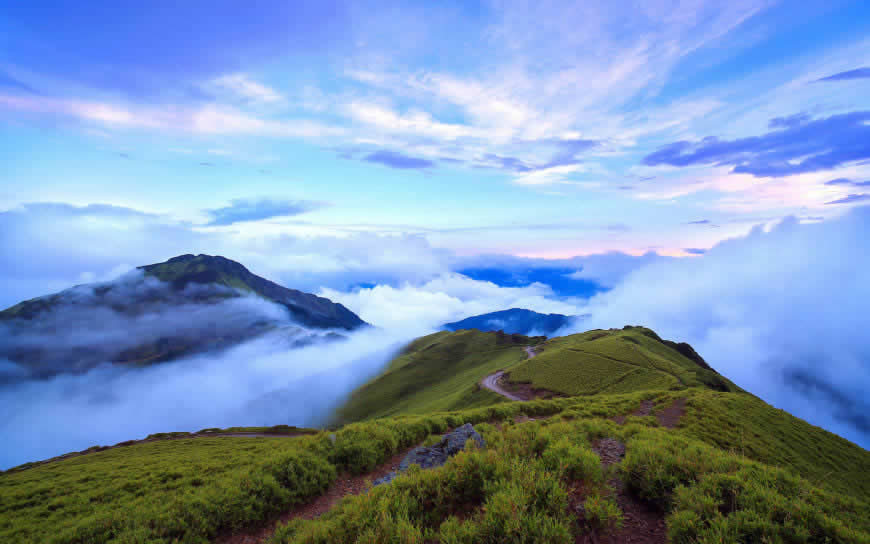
<point x="435" y="456"/>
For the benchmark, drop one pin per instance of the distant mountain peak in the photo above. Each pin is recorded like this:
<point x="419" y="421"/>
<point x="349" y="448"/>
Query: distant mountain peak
<point x="142" y="316"/>
<point x="306" y="308"/>
<point x="514" y="321"/>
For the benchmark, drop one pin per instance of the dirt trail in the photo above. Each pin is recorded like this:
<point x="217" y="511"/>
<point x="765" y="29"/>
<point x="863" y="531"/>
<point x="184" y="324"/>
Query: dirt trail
<point x="343" y="486"/>
<point x="493" y="381"/>
<point x="642" y="523"/>
<point x="669" y="417"/>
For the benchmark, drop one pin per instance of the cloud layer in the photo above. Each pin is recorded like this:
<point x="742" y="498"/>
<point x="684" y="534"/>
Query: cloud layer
<point x="257" y="383"/>
<point x="782" y="313"/>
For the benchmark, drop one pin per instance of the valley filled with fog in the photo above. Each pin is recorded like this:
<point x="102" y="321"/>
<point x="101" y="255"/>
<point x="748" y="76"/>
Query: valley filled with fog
<point x="785" y="329"/>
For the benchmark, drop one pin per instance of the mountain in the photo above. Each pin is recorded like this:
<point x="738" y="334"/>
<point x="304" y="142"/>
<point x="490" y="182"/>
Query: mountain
<point x="629" y="438"/>
<point x="515" y="320"/>
<point x="189" y="304"/>
<point x="441" y="371"/>
<point x="437" y="372"/>
<point x="305" y="308"/>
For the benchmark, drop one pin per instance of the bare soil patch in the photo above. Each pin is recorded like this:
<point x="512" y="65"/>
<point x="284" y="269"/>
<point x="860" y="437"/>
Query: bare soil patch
<point x="610" y="450"/>
<point x="526" y="391"/>
<point x="670" y="416"/>
<point x="643" y="410"/>
<point x="642" y="523"/>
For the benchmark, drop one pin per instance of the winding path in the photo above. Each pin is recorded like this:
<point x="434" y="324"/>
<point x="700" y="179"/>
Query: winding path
<point x="491" y="382"/>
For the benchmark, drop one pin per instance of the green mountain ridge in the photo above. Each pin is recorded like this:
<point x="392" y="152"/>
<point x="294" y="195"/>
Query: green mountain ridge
<point x="441" y="371"/>
<point x="585" y="466"/>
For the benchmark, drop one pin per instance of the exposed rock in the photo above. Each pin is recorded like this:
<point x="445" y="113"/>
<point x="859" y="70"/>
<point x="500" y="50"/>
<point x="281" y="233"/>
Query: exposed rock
<point x="435" y="456"/>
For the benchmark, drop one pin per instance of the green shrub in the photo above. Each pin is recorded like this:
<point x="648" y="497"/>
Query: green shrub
<point x="573" y="461"/>
<point x="602" y="512"/>
<point x="302" y="473"/>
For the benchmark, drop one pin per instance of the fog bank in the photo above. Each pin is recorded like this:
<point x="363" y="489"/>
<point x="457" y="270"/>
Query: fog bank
<point x="260" y="382"/>
<point x="783" y="313"/>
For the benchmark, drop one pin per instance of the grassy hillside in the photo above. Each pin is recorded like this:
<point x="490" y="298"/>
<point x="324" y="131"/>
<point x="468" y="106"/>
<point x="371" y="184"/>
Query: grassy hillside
<point x="438" y="372"/>
<point x="731" y="468"/>
<point x="441" y="371"/>
<point x="616" y="361"/>
<point x="733" y="486"/>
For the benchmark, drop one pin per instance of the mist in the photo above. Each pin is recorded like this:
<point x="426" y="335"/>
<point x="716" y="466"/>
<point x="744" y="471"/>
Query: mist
<point x="89" y="324"/>
<point x="250" y="364"/>
<point x="782" y="312"/>
<point x="260" y="382"/>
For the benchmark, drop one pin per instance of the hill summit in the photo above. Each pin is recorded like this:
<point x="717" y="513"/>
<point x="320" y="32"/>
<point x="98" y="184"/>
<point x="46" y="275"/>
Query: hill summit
<point x="160" y="312"/>
<point x="514" y="321"/>
<point x="305" y="308"/>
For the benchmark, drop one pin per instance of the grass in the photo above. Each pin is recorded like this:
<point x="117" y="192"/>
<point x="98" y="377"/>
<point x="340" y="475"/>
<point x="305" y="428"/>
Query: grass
<point x="616" y="361"/>
<point x="748" y="426"/>
<point x="435" y="373"/>
<point x="441" y="371"/>
<point x="715" y="496"/>
<point x="190" y="490"/>
<point x="519" y="490"/>
<point x="734" y="470"/>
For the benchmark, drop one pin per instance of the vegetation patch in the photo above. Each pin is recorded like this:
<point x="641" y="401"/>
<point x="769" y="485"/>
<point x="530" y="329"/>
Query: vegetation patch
<point x="436" y="373"/>
<point x="616" y="361"/>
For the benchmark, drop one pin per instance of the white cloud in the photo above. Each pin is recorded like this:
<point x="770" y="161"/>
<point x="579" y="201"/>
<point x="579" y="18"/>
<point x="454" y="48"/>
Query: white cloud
<point x="245" y="87"/>
<point x="781" y="312"/>
<point x="610" y="269"/>
<point x="260" y="382"/>
<point x="109" y="238"/>
<point x="209" y="119"/>
<point x="449" y="297"/>
<point x="415" y="122"/>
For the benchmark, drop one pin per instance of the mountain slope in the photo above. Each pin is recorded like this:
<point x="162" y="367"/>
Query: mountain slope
<point x="513" y="321"/>
<point x="616" y="361"/>
<point x="305" y="308"/>
<point x="734" y="469"/>
<point x="437" y="372"/>
<point x="687" y="450"/>
<point x="186" y="305"/>
<point x="441" y="371"/>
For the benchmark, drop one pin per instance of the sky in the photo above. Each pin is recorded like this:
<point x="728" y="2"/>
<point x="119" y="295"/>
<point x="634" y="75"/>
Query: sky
<point x="690" y="165"/>
<point x="536" y="129"/>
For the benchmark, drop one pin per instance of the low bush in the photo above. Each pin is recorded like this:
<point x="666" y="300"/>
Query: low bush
<point x="602" y="512"/>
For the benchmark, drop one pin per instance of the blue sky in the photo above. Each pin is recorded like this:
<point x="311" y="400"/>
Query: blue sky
<point x="536" y="129"/>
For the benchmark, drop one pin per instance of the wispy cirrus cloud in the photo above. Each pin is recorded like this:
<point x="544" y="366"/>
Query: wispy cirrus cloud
<point x="848" y="182"/>
<point x="858" y="73"/>
<point x="246" y="88"/>
<point x="850" y="199"/>
<point x="241" y="210"/>
<point x="401" y="161"/>
<point x="210" y="119"/>
<point x="800" y="146"/>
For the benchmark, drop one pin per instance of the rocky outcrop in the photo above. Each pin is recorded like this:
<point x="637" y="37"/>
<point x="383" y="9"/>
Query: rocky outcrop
<point x="435" y="456"/>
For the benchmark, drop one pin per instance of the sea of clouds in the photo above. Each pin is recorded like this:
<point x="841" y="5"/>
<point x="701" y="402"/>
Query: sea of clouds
<point x="782" y="311"/>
